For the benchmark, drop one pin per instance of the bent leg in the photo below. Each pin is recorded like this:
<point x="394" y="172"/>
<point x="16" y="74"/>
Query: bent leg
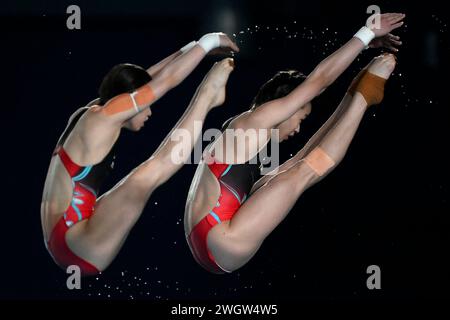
<point x="233" y="243"/>
<point x="99" y="239"/>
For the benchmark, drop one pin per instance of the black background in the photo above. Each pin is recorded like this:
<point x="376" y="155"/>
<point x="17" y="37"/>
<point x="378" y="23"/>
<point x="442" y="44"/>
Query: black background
<point x="386" y="204"/>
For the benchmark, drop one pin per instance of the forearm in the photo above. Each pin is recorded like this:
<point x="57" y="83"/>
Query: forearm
<point x="177" y="70"/>
<point x="155" y="69"/>
<point x="276" y="111"/>
<point x="334" y="65"/>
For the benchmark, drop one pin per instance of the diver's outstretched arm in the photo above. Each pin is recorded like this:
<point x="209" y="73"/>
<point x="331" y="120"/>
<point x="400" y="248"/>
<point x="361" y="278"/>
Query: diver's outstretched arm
<point x="233" y="242"/>
<point x="99" y="238"/>
<point x="156" y="68"/>
<point x="123" y="107"/>
<point x="276" y="111"/>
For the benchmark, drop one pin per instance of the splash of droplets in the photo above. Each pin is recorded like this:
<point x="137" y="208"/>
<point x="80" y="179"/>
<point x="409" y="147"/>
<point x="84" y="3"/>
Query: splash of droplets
<point x="150" y="284"/>
<point x="323" y="41"/>
<point x="272" y="33"/>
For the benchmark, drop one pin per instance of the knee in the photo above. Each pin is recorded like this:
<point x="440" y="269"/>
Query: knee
<point x="320" y="162"/>
<point x="233" y="256"/>
<point x="230" y="251"/>
<point x="100" y="263"/>
<point x="298" y="177"/>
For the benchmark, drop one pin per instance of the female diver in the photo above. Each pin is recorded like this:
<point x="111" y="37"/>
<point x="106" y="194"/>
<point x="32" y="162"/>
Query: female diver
<point x="230" y="209"/>
<point x="80" y="228"/>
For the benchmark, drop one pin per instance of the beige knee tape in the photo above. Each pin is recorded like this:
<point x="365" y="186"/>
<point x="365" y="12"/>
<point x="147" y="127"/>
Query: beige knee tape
<point x="319" y="161"/>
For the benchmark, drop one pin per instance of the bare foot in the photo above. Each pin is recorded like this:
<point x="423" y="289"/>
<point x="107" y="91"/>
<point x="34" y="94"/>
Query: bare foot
<point x="382" y="66"/>
<point x="216" y="80"/>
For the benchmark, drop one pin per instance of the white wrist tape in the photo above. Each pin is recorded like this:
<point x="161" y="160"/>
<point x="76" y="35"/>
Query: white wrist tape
<point x="189" y="46"/>
<point x="209" y="41"/>
<point x="365" y="35"/>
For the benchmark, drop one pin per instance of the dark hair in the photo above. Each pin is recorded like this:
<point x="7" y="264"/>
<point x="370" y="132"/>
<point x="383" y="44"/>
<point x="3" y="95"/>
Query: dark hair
<point x="279" y="86"/>
<point x="122" y="78"/>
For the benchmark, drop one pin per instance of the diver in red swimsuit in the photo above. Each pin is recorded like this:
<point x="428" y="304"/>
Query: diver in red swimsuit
<point x="230" y="210"/>
<point x="80" y="226"/>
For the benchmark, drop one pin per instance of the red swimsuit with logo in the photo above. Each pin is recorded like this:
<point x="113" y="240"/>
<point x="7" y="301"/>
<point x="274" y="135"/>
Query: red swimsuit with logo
<point x="236" y="181"/>
<point x="85" y="186"/>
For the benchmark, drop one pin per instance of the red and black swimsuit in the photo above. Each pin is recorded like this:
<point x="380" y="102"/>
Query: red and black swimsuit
<point x="86" y="182"/>
<point x="236" y="182"/>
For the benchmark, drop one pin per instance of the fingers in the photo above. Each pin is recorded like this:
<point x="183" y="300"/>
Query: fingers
<point x="391" y="44"/>
<point x="234" y="46"/>
<point x="224" y="50"/>
<point x="393" y="37"/>
<point x="388" y="44"/>
<point x="395" y="42"/>
<point x="396" y="17"/>
<point x="220" y="51"/>
<point x="226" y="42"/>
<point x="397" y="25"/>
<point x="390" y="39"/>
<point x="391" y="48"/>
<point x="388" y="16"/>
